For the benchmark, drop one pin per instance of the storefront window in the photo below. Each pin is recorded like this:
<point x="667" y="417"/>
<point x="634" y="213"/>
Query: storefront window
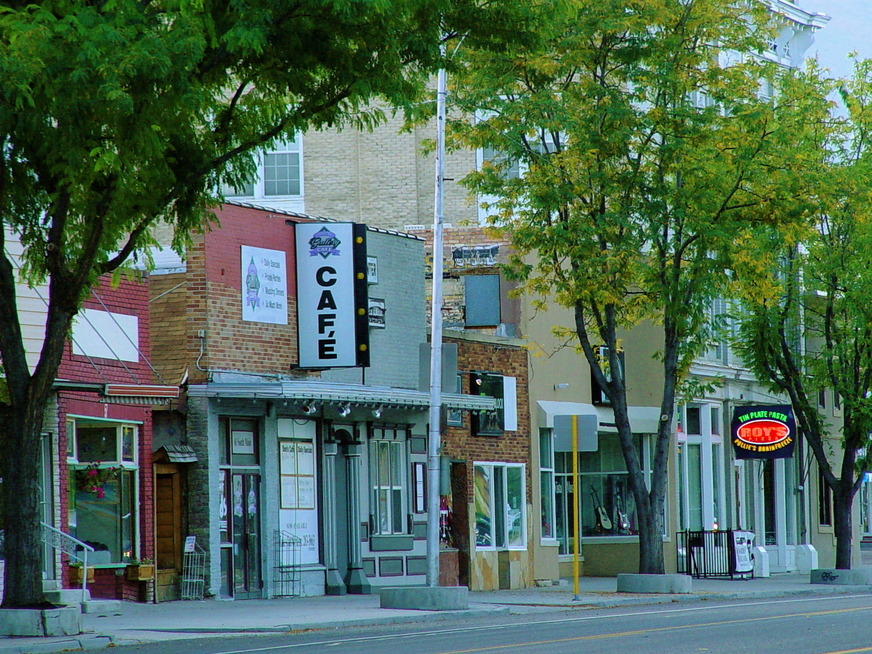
<point x="546" y="482"/>
<point x="500" y="516"/>
<point x="606" y="504"/>
<point x="103" y="488"/>
<point x="388" y="463"/>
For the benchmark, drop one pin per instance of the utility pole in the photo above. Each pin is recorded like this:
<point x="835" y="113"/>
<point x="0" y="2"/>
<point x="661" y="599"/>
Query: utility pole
<point x="434" y="434"/>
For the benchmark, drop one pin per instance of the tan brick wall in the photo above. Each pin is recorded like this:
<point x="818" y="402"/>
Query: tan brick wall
<point x="383" y="178"/>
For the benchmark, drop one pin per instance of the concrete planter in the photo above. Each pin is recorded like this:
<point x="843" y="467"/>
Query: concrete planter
<point x="835" y="577"/>
<point x="60" y="621"/>
<point x="668" y="584"/>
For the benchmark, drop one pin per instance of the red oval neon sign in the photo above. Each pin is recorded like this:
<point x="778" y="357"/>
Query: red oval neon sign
<point x="763" y="432"/>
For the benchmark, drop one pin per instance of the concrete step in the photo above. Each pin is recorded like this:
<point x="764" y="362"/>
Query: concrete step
<point x="66" y="596"/>
<point x="50" y="584"/>
<point x="102" y="606"/>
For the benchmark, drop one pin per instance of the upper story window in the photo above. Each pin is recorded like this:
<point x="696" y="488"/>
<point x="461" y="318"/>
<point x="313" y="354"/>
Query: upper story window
<point x="279" y="174"/>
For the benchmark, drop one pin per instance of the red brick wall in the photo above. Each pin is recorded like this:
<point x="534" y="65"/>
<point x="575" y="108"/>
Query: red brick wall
<point x="129" y="297"/>
<point x="213" y="300"/>
<point x="511" y="447"/>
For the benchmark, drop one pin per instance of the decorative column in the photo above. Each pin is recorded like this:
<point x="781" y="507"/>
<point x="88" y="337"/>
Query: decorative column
<point x="355" y="579"/>
<point x="334" y="585"/>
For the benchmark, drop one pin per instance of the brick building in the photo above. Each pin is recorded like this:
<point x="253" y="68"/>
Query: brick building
<point x="105" y="393"/>
<point x="306" y="478"/>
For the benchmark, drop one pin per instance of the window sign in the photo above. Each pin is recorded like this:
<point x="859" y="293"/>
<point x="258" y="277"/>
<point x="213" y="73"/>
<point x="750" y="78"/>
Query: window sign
<point x="242" y="442"/>
<point x="298" y="507"/>
<point x="376" y="313"/>
<point x="264" y="286"/>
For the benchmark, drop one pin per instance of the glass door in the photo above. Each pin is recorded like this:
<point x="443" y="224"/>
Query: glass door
<point x="246" y="555"/>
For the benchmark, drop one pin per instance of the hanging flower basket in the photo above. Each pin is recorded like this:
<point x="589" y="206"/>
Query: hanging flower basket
<point x="93" y="478"/>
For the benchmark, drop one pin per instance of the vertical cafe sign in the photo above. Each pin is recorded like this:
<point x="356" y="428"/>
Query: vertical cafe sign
<point x="332" y="297"/>
<point x="763" y="432"/>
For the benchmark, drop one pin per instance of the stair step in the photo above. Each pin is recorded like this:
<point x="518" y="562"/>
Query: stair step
<point x="66" y="596"/>
<point x="102" y="606"/>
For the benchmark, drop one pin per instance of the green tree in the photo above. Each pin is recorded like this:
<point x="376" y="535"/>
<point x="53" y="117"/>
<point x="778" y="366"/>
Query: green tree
<point x="647" y="151"/>
<point x="810" y="328"/>
<point x="116" y="114"/>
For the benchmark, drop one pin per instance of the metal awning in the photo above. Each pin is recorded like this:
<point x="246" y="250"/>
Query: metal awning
<point x="140" y="394"/>
<point x="177" y="453"/>
<point x="335" y="393"/>
<point x="643" y="419"/>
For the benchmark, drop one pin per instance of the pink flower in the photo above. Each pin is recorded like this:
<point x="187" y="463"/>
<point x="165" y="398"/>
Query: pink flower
<point x="101" y="493"/>
<point x="92" y="472"/>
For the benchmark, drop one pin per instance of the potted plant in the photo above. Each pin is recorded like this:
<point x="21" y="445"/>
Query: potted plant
<point x="77" y="571"/>
<point x="140" y="570"/>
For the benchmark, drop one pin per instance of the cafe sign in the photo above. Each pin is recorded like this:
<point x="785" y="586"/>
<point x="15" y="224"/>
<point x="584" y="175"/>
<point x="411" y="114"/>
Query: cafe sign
<point x="763" y="432"/>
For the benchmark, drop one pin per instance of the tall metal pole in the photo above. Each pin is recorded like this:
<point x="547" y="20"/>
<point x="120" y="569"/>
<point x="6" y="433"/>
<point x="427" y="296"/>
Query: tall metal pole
<point x="576" y="489"/>
<point x="434" y="439"/>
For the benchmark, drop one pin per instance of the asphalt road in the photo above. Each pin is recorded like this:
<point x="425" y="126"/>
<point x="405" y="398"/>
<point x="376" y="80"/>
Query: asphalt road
<point x="807" y="625"/>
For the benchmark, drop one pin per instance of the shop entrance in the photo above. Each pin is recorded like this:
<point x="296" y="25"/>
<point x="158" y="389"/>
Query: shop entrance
<point x="246" y="536"/>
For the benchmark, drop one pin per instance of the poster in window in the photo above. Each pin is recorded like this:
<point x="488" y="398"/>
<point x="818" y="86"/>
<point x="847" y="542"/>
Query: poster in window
<point x="305" y="492"/>
<point x="242" y="442"/>
<point x="305" y="458"/>
<point x="289" y="492"/>
<point x="287" y="458"/>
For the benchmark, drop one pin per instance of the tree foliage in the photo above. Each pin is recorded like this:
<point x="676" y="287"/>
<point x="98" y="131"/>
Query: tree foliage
<point x="119" y="113"/>
<point x="647" y="153"/>
<point x="811" y="328"/>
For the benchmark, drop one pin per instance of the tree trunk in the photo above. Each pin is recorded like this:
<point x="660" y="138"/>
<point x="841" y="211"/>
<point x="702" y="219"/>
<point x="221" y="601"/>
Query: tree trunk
<point x="650" y="539"/>
<point x="23" y="530"/>
<point x="843" y="527"/>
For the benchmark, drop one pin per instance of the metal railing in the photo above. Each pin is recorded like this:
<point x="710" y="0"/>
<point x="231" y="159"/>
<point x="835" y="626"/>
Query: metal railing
<point x="714" y="553"/>
<point x="75" y="548"/>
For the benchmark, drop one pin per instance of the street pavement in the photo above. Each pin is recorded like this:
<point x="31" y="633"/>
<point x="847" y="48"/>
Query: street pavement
<point x="167" y="621"/>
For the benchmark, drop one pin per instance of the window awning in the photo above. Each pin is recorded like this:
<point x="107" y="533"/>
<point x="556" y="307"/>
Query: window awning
<point x="176" y="453"/>
<point x="335" y="393"/>
<point x="143" y="394"/>
<point x="643" y="419"/>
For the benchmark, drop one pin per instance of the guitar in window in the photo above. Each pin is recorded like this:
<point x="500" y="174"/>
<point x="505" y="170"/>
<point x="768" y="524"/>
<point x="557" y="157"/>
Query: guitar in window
<point x="603" y="522"/>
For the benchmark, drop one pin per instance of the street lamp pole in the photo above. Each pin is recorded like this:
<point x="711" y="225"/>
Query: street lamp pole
<point x="434" y="435"/>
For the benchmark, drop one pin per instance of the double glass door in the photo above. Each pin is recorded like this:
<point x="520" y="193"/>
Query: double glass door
<point x="246" y="536"/>
<point x="244" y="567"/>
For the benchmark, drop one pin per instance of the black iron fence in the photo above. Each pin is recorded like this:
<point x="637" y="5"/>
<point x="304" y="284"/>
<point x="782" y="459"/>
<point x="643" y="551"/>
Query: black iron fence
<point x="726" y="553"/>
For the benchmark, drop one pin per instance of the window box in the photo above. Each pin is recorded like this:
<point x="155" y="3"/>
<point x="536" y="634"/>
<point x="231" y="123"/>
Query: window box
<point x="77" y="572"/>
<point x="140" y="571"/>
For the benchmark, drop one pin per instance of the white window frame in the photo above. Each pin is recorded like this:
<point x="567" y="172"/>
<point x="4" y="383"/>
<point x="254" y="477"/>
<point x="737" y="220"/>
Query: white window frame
<point x="547" y="497"/>
<point x="713" y="513"/>
<point x="127" y="461"/>
<point x="505" y="467"/>
<point x="294" y="146"/>
<point x="397" y="442"/>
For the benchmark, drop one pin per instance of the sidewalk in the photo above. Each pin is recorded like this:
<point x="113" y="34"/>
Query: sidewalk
<point x="137" y="623"/>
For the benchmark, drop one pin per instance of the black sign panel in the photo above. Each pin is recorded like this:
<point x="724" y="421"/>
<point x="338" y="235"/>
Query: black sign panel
<point x="763" y="432"/>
